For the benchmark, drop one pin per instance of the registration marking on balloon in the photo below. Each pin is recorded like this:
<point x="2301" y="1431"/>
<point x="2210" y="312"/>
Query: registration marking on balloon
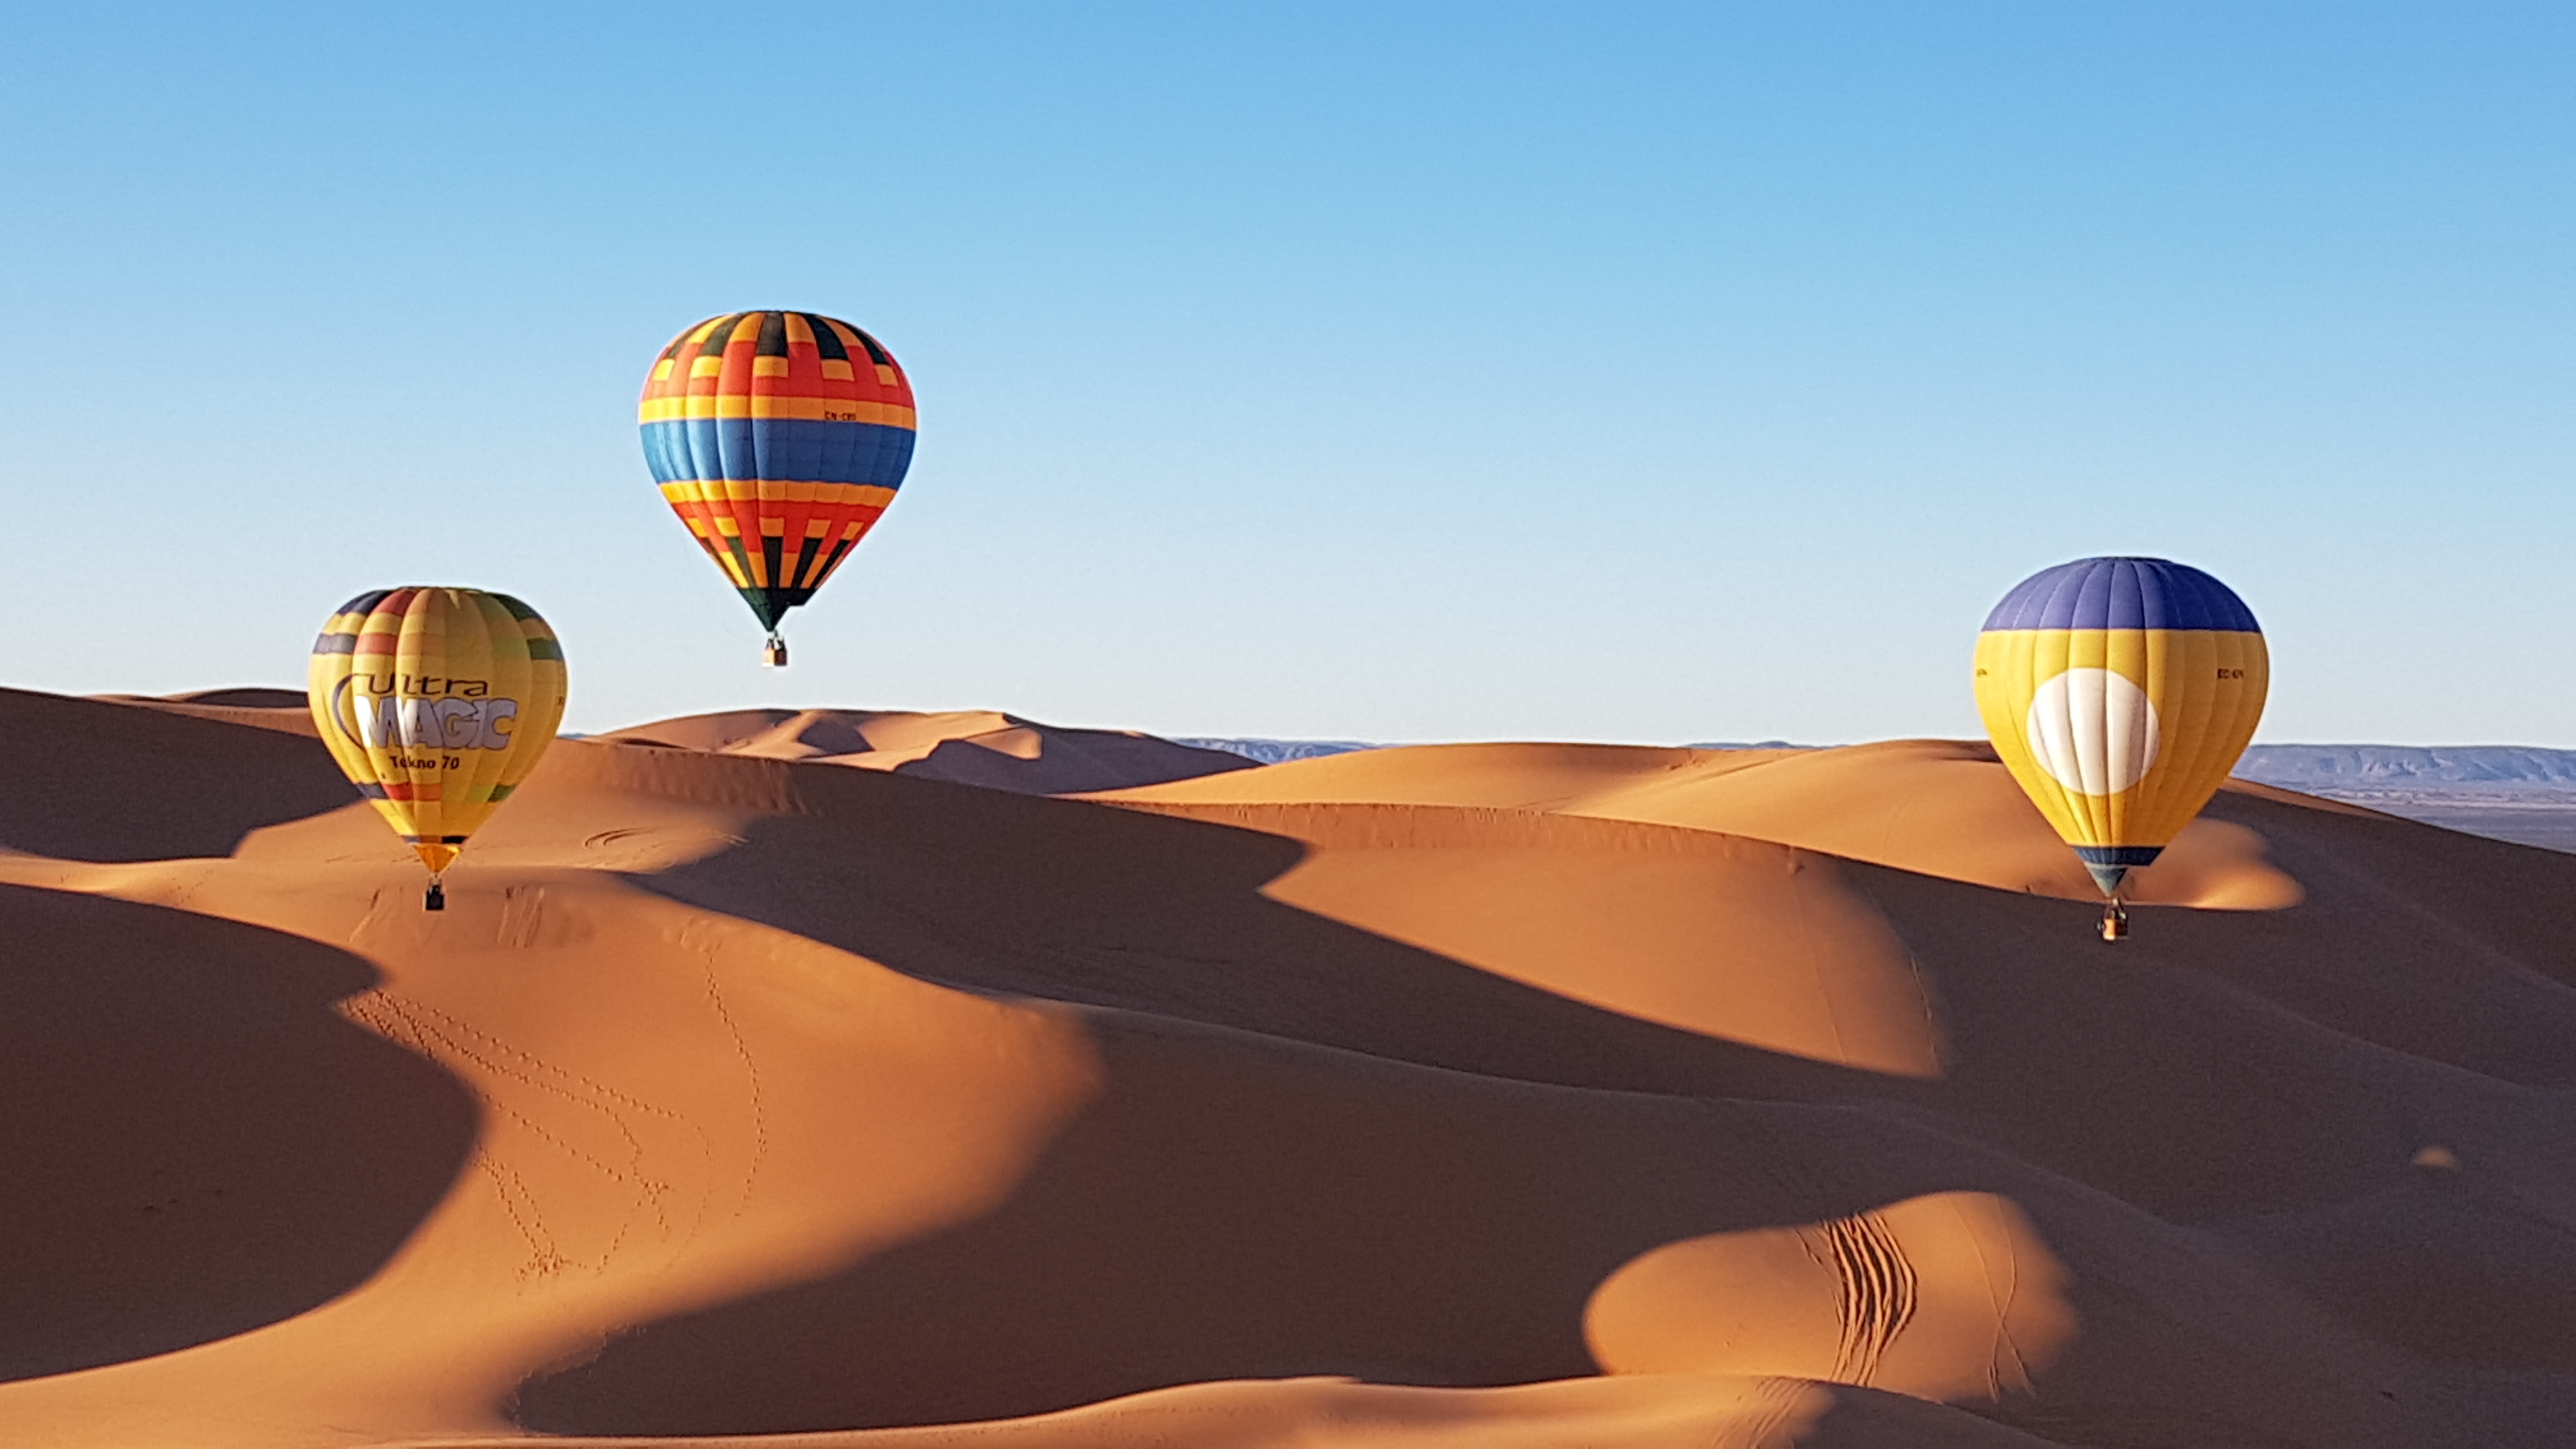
<point x="2120" y="692"/>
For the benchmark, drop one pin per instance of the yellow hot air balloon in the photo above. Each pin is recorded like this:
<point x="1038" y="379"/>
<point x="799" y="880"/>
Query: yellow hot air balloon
<point x="436" y="703"/>
<point x="2120" y="692"/>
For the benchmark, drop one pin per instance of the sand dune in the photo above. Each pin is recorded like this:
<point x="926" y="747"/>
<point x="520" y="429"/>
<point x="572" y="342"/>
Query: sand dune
<point x="965" y="747"/>
<point x="274" y="709"/>
<point x="1485" y="1095"/>
<point x="1938" y="807"/>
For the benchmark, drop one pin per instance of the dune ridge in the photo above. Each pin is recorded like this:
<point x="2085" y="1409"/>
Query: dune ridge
<point x="1930" y="806"/>
<point x="1458" y="1095"/>
<point x="966" y="747"/>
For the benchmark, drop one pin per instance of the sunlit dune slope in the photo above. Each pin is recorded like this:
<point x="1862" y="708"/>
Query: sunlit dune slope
<point x="1938" y="807"/>
<point x="965" y="747"/>
<point x="737" y="1095"/>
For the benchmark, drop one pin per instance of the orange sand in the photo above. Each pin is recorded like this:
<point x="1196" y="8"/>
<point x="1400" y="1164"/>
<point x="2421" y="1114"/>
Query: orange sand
<point x="1476" y="1095"/>
<point x="963" y="747"/>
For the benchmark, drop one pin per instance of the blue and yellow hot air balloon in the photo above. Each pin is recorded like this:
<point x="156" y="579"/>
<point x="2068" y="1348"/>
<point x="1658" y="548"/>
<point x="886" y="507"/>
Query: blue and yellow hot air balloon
<point x="779" y="438"/>
<point x="2120" y="692"/>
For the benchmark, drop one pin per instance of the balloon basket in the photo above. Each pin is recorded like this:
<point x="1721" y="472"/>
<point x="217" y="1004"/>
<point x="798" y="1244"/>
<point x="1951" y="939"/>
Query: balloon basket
<point x="2115" y="921"/>
<point x="774" y="653"/>
<point x="436" y="900"/>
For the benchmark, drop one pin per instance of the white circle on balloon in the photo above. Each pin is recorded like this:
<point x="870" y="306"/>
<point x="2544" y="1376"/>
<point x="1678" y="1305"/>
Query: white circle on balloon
<point x="2093" y="731"/>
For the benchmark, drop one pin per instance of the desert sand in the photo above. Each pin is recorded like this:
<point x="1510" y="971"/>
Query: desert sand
<point x="963" y="747"/>
<point x="833" y="1077"/>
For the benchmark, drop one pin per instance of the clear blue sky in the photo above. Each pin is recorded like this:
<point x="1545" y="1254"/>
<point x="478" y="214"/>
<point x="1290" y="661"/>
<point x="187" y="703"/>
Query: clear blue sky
<point x="1381" y="371"/>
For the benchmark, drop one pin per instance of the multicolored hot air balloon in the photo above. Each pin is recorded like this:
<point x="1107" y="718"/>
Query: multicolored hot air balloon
<point x="2120" y="692"/>
<point x="436" y="703"/>
<point x="778" y="437"/>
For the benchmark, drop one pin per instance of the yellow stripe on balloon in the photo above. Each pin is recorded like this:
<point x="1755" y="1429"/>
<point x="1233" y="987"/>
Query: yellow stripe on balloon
<point x="793" y="409"/>
<point x="747" y="490"/>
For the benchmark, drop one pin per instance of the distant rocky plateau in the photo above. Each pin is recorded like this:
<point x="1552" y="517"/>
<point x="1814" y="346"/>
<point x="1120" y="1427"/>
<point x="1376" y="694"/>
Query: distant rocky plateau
<point x="2504" y="792"/>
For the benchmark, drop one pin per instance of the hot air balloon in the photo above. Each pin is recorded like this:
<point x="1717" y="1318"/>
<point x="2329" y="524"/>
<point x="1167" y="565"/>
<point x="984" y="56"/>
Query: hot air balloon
<point x="2120" y="692"/>
<point x="778" y="437"/>
<point x="436" y="703"/>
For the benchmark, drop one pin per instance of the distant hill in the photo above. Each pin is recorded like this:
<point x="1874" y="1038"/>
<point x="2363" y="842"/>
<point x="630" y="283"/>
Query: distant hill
<point x="2449" y="769"/>
<point x="2505" y="792"/>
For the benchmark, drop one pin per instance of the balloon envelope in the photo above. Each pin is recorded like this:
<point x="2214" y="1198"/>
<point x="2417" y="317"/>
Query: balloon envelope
<point x="779" y="438"/>
<point x="2120" y="692"/>
<point x="436" y="703"/>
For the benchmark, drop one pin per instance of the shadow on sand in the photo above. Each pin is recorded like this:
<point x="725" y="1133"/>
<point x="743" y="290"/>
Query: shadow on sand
<point x="219" y="1149"/>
